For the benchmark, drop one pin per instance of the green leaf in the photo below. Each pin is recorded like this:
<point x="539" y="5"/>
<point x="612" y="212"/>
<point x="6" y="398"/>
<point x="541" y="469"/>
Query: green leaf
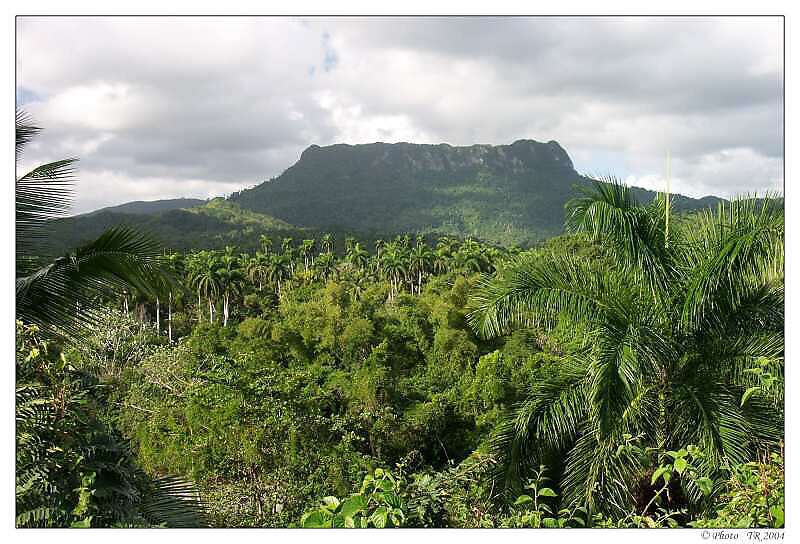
<point x="664" y="471"/>
<point x="315" y="520"/>
<point x="547" y="492"/>
<point x="523" y="499"/>
<point x="87" y="523"/>
<point x="353" y="505"/>
<point x="680" y="465"/>
<point x="749" y="393"/>
<point x="777" y="516"/>
<point x="330" y="503"/>
<point x="378" y="517"/>
<point x="392" y="500"/>
<point x="705" y="485"/>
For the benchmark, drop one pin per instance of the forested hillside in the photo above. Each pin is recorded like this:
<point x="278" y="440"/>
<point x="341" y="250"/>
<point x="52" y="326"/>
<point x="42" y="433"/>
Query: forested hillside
<point x="509" y="195"/>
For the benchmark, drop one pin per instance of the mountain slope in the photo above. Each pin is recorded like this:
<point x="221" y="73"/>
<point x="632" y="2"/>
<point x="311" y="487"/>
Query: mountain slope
<point x="150" y="206"/>
<point x="506" y="194"/>
<point x="214" y="224"/>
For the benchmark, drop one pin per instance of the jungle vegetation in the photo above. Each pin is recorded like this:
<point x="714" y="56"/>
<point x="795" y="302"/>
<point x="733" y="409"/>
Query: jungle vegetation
<point x="626" y="374"/>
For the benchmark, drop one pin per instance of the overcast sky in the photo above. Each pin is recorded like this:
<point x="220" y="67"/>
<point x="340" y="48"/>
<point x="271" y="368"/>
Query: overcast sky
<point x="172" y="107"/>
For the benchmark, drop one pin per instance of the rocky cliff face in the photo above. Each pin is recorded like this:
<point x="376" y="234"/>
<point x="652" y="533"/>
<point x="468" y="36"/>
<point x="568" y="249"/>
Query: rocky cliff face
<point x="521" y="156"/>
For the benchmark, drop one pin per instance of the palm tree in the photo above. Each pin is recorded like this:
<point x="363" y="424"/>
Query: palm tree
<point x="668" y="327"/>
<point x="357" y="256"/>
<point x="65" y="295"/>
<point x="177" y="267"/>
<point x="206" y="280"/>
<point x="307" y="250"/>
<point x="421" y="258"/>
<point x="229" y="278"/>
<point x="327" y="242"/>
<point x="325" y="265"/>
<point x="469" y="258"/>
<point x="394" y="266"/>
<point x="195" y="263"/>
<point x="349" y="242"/>
<point x="443" y="254"/>
<point x="257" y="268"/>
<point x="278" y="268"/>
<point x="266" y="243"/>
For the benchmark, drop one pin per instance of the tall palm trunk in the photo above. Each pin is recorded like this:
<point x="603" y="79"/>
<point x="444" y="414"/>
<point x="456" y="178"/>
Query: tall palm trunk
<point x="225" y="307"/>
<point x="169" y="318"/>
<point x="158" y="315"/>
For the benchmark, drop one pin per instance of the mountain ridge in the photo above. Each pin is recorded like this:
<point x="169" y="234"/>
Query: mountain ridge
<point x="504" y="194"/>
<point x="509" y="193"/>
<point x="146" y="207"/>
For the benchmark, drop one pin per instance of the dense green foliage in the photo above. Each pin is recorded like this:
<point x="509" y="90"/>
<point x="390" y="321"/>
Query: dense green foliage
<point x="314" y="380"/>
<point x="72" y="467"/>
<point x="625" y="375"/>
<point x="680" y="341"/>
<point x="279" y="377"/>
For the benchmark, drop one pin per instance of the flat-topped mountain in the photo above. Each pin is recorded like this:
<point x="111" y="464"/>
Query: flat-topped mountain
<point x="504" y="193"/>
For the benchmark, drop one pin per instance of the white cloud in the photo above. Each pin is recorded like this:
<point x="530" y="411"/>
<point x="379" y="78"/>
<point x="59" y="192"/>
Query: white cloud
<point x="727" y="173"/>
<point x="175" y="105"/>
<point x="105" y="188"/>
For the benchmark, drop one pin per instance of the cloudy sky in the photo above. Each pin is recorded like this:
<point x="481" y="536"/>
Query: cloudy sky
<point x="172" y="107"/>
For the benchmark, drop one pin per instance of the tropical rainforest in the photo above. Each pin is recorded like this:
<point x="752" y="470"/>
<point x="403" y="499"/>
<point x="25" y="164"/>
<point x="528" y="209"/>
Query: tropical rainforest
<point x="626" y="373"/>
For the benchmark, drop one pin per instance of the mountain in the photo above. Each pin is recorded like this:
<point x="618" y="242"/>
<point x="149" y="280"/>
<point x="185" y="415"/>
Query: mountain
<point x="506" y="193"/>
<point x="213" y="224"/>
<point x="150" y="206"/>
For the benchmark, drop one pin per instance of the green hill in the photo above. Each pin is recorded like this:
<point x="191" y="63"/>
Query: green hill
<point x="151" y="206"/>
<point x="215" y="224"/>
<point x="506" y="194"/>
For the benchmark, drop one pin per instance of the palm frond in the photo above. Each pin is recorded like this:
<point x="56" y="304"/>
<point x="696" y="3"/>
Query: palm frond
<point x="594" y="477"/>
<point x="534" y="290"/>
<point x="25" y="131"/>
<point x="66" y="296"/>
<point x="732" y="252"/>
<point x="546" y="421"/>
<point x="43" y="194"/>
<point x="173" y="502"/>
<point x="634" y="233"/>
